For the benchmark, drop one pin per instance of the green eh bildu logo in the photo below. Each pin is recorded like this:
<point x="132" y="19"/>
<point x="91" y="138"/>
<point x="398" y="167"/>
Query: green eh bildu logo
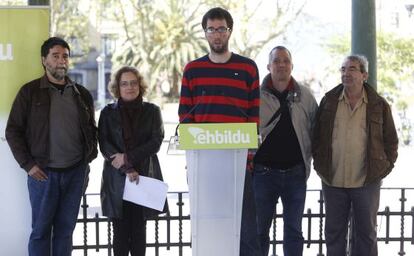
<point x="202" y="136"/>
<point x="218" y="136"/>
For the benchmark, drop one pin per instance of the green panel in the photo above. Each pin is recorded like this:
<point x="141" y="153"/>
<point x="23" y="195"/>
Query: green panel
<point x="218" y="135"/>
<point x="22" y="32"/>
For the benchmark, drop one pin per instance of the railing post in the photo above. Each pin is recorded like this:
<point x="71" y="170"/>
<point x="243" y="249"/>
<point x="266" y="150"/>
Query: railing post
<point x="387" y="224"/>
<point x="274" y="224"/>
<point x="321" y="218"/>
<point x="84" y="222"/>
<point x="309" y="213"/>
<point x="180" y="224"/>
<point x="109" y="237"/>
<point x="412" y="225"/>
<point x="168" y="230"/>
<point x="97" y="231"/>
<point x="403" y="200"/>
<point x="157" y="246"/>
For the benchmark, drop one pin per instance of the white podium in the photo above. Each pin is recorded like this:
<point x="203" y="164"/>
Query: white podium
<point x="215" y="181"/>
<point x="216" y="157"/>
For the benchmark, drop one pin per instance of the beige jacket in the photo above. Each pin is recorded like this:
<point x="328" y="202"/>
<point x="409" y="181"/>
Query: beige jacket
<point x="302" y="106"/>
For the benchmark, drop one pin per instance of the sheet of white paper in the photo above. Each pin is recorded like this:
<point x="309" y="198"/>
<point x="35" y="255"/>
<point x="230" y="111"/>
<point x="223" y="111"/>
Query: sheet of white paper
<point x="149" y="192"/>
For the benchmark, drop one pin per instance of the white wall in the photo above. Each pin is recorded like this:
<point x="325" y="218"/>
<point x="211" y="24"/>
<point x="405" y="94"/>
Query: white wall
<point x="15" y="211"/>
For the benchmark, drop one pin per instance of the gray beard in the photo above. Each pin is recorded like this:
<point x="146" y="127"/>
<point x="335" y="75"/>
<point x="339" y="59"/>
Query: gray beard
<point x="58" y="75"/>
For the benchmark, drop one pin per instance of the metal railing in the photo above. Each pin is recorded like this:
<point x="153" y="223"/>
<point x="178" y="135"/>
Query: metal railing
<point x="172" y="231"/>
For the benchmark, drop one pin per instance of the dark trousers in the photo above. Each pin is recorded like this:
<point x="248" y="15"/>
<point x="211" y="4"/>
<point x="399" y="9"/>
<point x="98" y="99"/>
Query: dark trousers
<point x="364" y="202"/>
<point x="290" y="186"/>
<point x="130" y="231"/>
<point x="55" y="207"/>
<point x="249" y="242"/>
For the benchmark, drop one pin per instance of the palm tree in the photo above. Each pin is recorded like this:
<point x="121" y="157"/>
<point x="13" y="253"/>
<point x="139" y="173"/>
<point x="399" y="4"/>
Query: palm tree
<point x="162" y="36"/>
<point x="161" y="40"/>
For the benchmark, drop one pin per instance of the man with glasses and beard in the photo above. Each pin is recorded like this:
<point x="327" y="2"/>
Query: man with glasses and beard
<point x="221" y="87"/>
<point x="52" y="134"/>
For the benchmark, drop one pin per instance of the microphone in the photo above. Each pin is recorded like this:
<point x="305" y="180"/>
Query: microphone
<point x="234" y="103"/>
<point x="241" y="111"/>
<point x="203" y="92"/>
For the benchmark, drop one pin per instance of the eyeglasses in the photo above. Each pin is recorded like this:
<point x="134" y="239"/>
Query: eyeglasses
<point x="350" y="69"/>
<point x="220" y="30"/>
<point x="133" y="84"/>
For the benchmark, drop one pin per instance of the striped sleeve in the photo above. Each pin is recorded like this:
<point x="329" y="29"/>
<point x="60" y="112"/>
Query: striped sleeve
<point x="186" y="101"/>
<point x="254" y="96"/>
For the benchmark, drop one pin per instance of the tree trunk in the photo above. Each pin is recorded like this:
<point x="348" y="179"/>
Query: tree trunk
<point x="174" y="90"/>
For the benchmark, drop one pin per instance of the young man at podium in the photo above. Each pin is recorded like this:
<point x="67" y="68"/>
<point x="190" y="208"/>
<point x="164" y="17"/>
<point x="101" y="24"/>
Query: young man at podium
<point x="282" y="162"/>
<point x="223" y="87"/>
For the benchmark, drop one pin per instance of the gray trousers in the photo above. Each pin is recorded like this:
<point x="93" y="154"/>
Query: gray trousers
<point x="364" y="202"/>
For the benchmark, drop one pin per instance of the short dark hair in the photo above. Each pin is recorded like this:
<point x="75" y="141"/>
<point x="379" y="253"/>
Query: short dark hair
<point x="279" y="47"/>
<point x="217" y="13"/>
<point x="52" y="42"/>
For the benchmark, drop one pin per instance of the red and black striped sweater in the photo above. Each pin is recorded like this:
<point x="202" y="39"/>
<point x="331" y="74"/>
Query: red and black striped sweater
<point x="220" y="92"/>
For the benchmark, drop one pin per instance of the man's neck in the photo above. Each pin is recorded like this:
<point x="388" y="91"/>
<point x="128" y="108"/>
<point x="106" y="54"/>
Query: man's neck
<point x="280" y="85"/>
<point x="354" y="92"/>
<point x="219" y="57"/>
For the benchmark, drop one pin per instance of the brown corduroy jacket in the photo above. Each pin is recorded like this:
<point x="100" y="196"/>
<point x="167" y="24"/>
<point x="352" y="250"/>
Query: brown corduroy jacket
<point x="27" y="130"/>
<point x="382" y="139"/>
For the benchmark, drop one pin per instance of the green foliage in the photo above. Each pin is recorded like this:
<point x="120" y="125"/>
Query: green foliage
<point x="395" y="64"/>
<point x="160" y="40"/>
<point x="68" y="22"/>
<point x="162" y="36"/>
<point x="395" y="67"/>
<point x="339" y="46"/>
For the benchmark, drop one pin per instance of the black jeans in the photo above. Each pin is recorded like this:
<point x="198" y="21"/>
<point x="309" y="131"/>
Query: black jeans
<point x="130" y="231"/>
